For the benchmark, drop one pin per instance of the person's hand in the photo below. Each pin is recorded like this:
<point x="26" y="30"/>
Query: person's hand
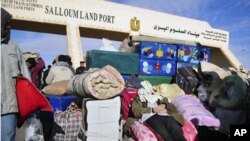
<point x="74" y="106"/>
<point x="160" y="109"/>
<point x="37" y="55"/>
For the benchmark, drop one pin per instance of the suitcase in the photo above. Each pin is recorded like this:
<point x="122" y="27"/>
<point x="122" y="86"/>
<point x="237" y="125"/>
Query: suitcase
<point x="125" y="63"/>
<point x="101" y="119"/>
<point x="187" y="79"/>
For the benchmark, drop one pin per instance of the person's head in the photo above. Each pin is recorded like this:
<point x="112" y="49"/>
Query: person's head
<point x="69" y="60"/>
<point x="49" y="66"/>
<point x="31" y="62"/>
<point x="63" y="58"/>
<point x="54" y="61"/>
<point x="82" y="63"/>
<point x="5" y="26"/>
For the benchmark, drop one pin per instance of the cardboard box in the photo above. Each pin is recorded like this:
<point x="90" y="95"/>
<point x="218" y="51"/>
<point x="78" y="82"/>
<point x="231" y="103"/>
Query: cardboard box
<point x="158" y="51"/>
<point x="188" y="53"/>
<point x="157" y="67"/>
<point x="205" y="54"/>
<point x="156" y="80"/>
<point x="102" y="117"/>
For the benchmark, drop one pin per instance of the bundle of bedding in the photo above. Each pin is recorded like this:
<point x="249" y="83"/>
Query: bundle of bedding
<point x="99" y="83"/>
<point x="193" y="110"/>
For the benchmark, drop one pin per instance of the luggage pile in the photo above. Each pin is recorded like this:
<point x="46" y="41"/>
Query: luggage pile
<point x="120" y="94"/>
<point x="95" y="93"/>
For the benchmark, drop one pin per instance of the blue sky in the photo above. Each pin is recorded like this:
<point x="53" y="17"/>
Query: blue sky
<point x="229" y="15"/>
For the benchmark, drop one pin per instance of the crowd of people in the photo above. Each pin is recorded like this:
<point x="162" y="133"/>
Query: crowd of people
<point x="60" y="69"/>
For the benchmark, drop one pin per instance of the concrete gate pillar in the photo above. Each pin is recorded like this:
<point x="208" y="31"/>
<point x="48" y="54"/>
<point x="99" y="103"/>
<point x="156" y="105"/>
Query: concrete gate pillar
<point x="74" y="44"/>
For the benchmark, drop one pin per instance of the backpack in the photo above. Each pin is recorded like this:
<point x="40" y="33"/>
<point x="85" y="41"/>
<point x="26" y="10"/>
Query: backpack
<point x="186" y="78"/>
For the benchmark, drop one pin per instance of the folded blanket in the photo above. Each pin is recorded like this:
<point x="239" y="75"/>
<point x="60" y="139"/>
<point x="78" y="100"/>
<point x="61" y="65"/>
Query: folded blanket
<point x="97" y="83"/>
<point x="191" y="108"/>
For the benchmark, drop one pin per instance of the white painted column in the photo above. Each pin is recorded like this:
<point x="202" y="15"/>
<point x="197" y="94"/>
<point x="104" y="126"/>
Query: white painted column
<point x="74" y="44"/>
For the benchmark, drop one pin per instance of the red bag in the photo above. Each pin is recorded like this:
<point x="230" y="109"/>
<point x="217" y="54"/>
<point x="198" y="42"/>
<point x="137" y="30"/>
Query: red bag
<point x="29" y="99"/>
<point x="128" y="95"/>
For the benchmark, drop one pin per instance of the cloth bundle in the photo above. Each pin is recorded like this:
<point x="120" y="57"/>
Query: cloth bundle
<point x="30" y="99"/>
<point x="97" y="83"/>
<point x="142" y="133"/>
<point x="146" y="93"/>
<point x="193" y="110"/>
<point x="169" y="91"/>
<point x="56" y="88"/>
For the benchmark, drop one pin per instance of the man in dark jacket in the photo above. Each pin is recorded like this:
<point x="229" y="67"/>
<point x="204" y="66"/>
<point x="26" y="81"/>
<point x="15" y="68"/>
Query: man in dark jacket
<point x="81" y="69"/>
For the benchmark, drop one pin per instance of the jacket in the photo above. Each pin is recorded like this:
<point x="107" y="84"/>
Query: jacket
<point x="12" y="66"/>
<point x="59" y="73"/>
<point x="35" y="72"/>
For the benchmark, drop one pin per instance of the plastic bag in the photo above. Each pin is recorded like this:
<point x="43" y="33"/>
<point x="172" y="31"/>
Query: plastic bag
<point x="108" y="45"/>
<point x="33" y="130"/>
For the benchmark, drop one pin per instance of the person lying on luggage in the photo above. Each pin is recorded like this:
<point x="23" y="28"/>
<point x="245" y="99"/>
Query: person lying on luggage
<point x="157" y="113"/>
